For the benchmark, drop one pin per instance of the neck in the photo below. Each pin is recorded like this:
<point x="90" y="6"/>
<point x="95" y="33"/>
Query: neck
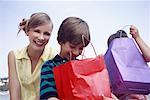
<point x="34" y="54"/>
<point x="66" y="56"/>
<point x="61" y="54"/>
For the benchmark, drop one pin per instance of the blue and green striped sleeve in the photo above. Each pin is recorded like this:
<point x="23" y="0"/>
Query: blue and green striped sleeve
<point x="47" y="84"/>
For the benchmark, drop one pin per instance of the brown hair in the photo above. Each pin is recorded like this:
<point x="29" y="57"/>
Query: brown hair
<point x="72" y="30"/>
<point x="118" y="34"/>
<point x="36" y="19"/>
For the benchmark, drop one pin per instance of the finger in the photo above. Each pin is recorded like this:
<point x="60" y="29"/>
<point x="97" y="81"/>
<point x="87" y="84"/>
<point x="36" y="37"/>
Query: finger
<point x="132" y="28"/>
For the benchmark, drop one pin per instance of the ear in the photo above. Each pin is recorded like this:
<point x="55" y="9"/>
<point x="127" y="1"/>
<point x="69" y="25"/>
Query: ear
<point x="60" y="43"/>
<point x="27" y="33"/>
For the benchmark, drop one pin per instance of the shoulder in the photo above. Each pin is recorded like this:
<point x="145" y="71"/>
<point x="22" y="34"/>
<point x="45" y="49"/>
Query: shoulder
<point x="11" y="53"/>
<point x="48" y="65"/>
<point x="11" y="60"/>
<point x="20" y="53"/>
<point x="11" y="56"/>
<point x="49" y="52"/>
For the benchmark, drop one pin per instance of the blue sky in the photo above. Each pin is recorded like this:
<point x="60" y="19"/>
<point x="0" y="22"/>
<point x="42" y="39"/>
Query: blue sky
<point x="104" y="18"/>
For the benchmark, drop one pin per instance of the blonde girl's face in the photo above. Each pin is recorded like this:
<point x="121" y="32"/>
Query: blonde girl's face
<point x="39" y="36"/>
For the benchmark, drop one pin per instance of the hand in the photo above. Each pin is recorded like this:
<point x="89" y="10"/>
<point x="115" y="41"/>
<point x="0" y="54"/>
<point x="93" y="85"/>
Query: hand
<point x="114" y="97"/>
<point x="134" y="32"/>
<point x="53" y="98"/>
<point x="134" y="97"/>
<point x="107" y="98"/>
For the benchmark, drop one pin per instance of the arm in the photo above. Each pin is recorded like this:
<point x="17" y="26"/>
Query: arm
<point x="133" y="97"/>
<point x="145" y="49"/>
<point x="112" y="95"/>
<point x="47" y="84"/>
<point x="14" y="86"/>
<point x="53" y="98"/>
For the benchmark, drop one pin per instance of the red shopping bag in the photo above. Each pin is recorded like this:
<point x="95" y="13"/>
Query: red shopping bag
<point x="82" y="80"/>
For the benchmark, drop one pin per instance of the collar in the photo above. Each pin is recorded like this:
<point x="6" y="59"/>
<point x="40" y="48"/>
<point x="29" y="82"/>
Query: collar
<point x="23" y="54"/>
<point x="46" y="53"/>
<point x="58" y="58"/>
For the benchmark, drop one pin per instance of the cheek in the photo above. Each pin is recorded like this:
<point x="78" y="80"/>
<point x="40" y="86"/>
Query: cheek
<point x="68" y="51"/>
<point x="80" y="52"/>
<point x="30" y="38"/>
<point x="47" y="38"/>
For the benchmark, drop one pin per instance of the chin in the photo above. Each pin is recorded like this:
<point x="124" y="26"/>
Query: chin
<point x="37" y="48"/>
<point x="73" y="58"/>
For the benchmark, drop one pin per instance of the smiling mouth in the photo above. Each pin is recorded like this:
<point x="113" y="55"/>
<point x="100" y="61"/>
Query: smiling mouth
<point x="38" y="43"/>
<point x="71" y="57"/>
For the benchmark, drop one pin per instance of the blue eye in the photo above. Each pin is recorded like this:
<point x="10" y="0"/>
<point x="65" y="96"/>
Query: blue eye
<point x="81" y="48"/>
<point x="37" y="31"/>
<point x="47" y="33"/>
<point x="72" y="46"/>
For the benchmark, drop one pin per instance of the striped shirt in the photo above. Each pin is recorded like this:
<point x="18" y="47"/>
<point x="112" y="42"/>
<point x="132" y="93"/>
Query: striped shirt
<point x="47" y="85"/>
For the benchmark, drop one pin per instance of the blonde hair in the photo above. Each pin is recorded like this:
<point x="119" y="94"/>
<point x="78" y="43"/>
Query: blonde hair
<point x="36" y="19"/>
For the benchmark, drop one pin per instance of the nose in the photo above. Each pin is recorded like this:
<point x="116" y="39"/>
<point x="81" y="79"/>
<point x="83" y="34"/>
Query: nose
<point x="41" y="37"/>
<point x="76" y="53"/>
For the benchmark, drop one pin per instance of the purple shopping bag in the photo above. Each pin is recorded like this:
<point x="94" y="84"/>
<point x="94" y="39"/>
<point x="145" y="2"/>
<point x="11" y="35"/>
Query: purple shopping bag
<point x="128" y="71"/>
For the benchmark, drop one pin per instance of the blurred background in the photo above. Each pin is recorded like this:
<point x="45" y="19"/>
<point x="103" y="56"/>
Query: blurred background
<point x="104" y="18"/>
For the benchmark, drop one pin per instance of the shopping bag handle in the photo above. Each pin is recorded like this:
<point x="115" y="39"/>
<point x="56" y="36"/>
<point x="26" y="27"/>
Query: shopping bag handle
<point x="121" y="34"/>
<point x="83" y="37"/>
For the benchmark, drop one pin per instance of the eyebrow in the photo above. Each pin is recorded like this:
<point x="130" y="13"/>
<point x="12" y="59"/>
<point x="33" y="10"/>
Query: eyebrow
<point x="40" y="31"/>
<point x="82" y="45"/>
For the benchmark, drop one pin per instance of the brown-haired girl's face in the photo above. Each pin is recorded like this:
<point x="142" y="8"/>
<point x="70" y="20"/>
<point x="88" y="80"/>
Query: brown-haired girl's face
<point x="71" y="51"/>
<point x="39" y="36"/>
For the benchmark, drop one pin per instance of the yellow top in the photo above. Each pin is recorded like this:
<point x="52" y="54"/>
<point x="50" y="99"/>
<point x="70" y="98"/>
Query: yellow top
<point x="30" y="82"/>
